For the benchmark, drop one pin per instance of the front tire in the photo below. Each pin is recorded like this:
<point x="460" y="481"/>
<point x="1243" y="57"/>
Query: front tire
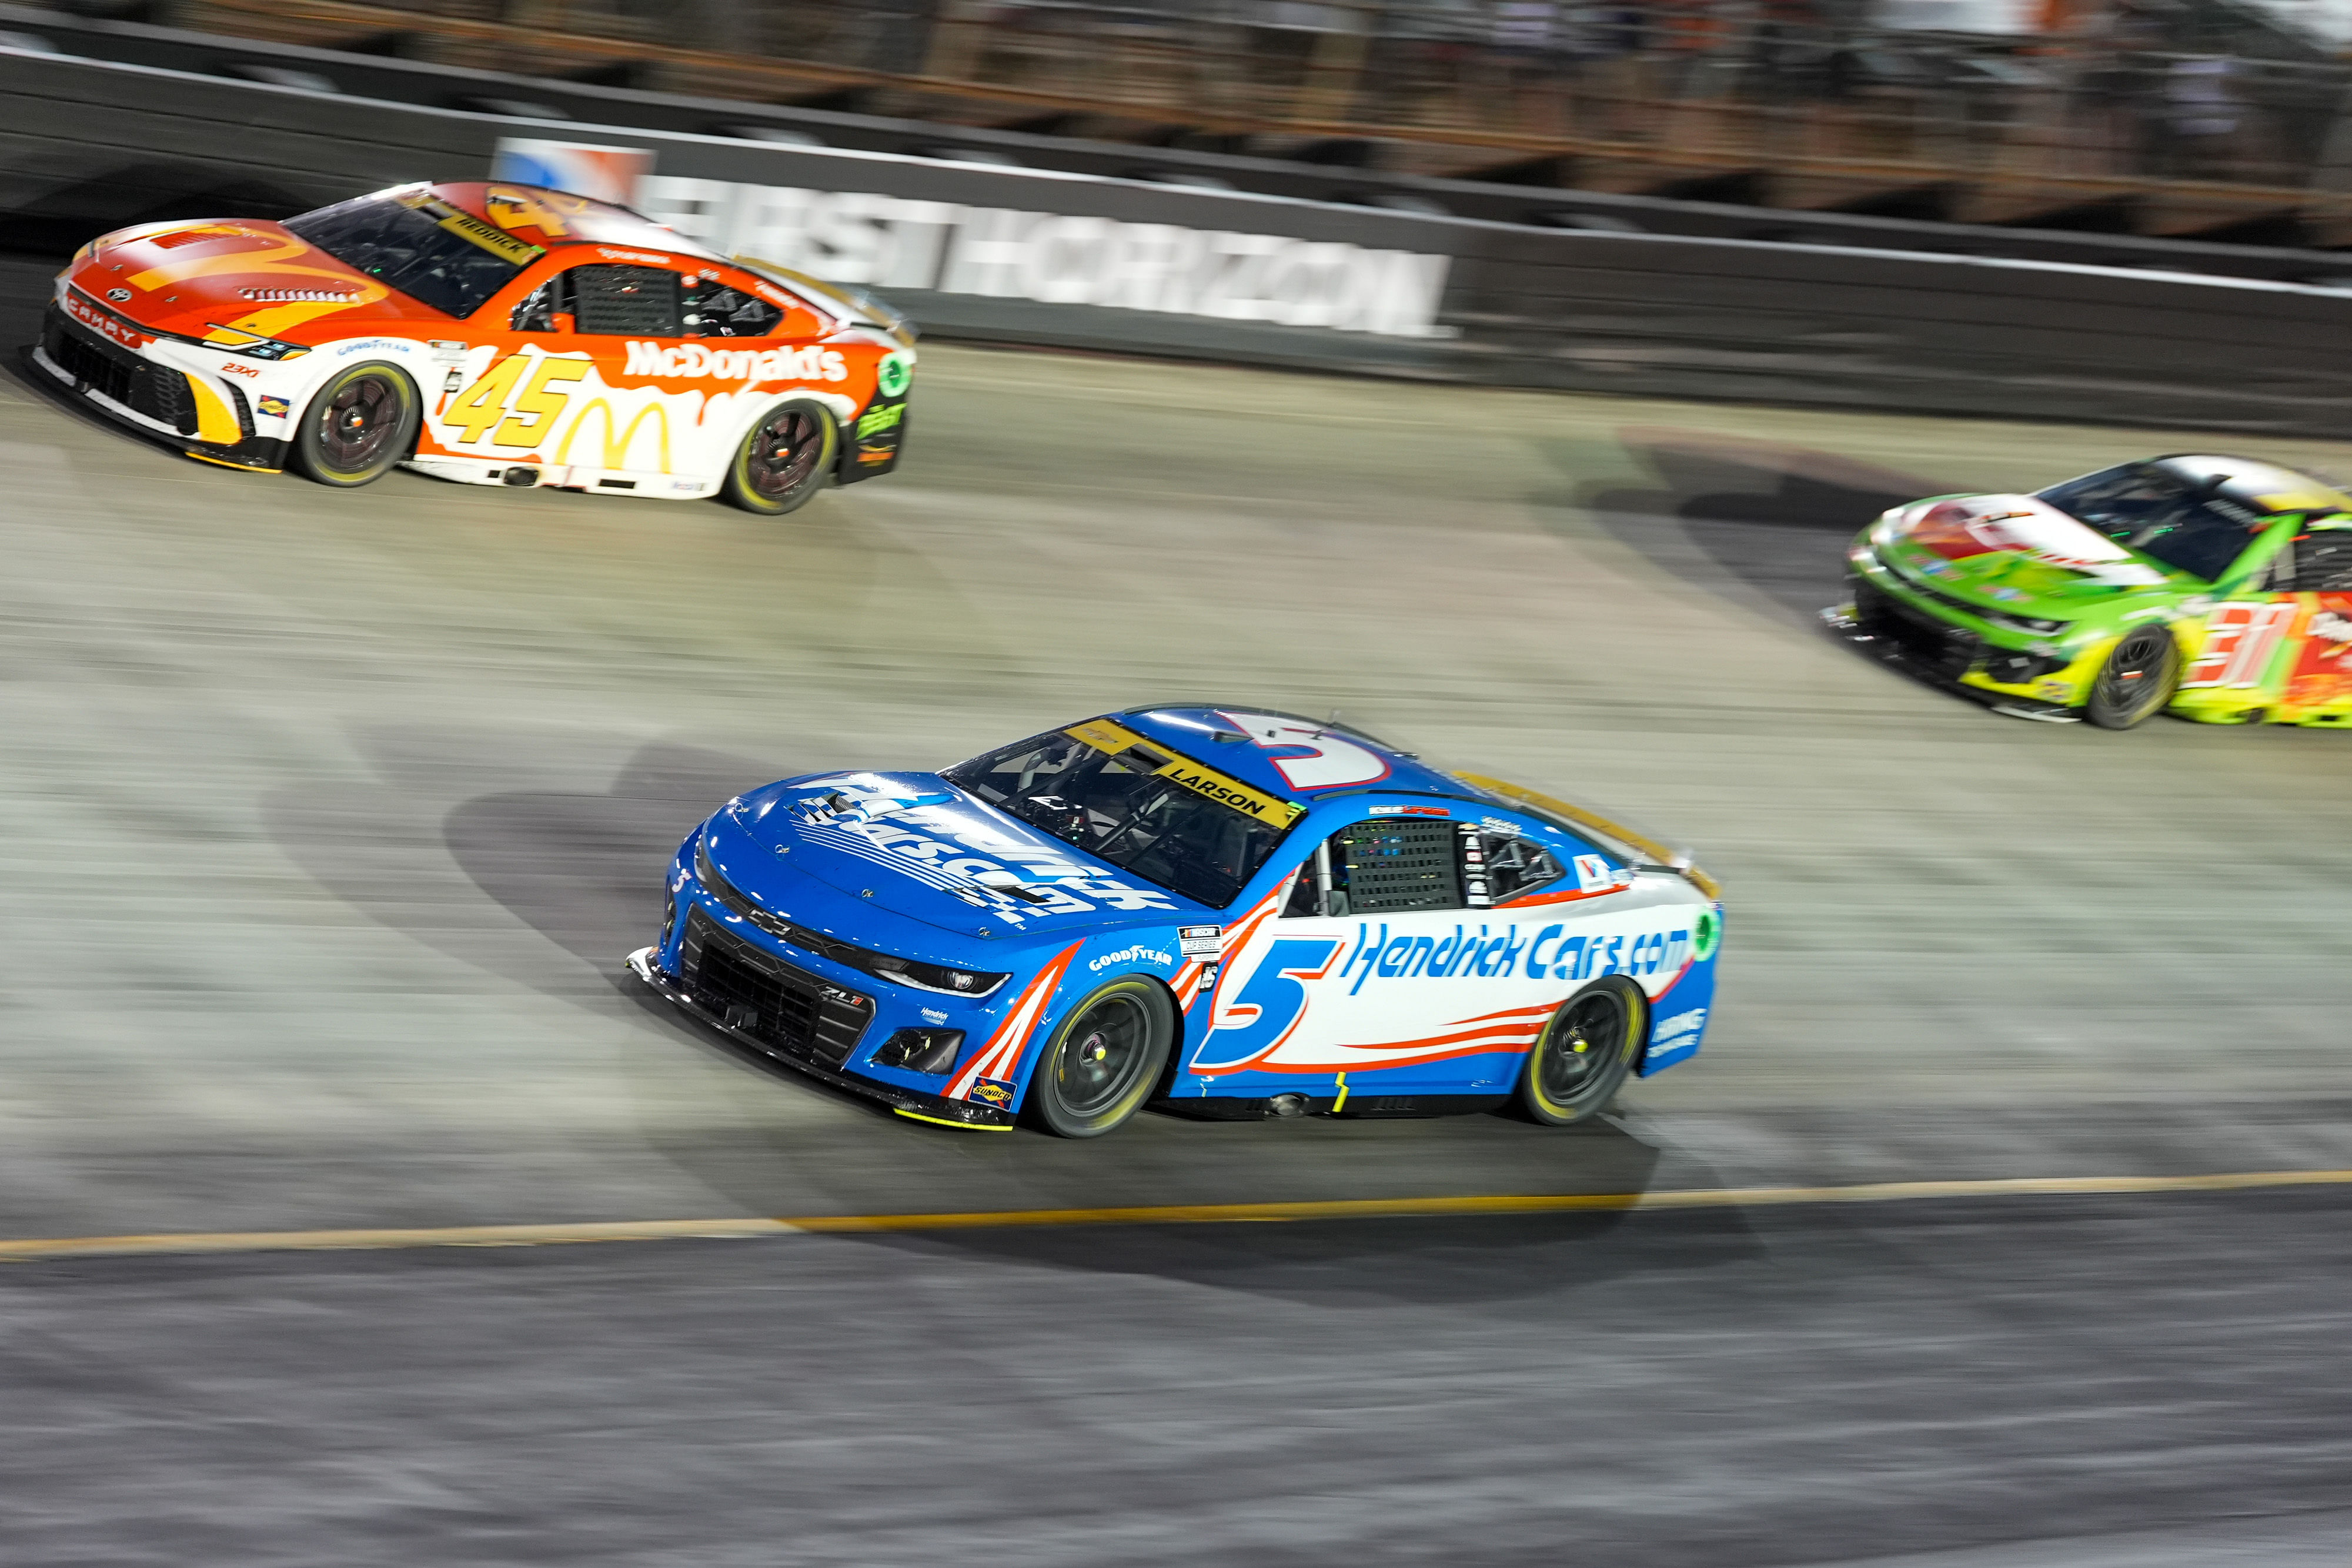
<point x="1105" y="1059"/>
<point x="2137" y="681"/>
<point x="360" y="424"/>
<point x="1585" y="1052"/>
<point x="786" y="459"/>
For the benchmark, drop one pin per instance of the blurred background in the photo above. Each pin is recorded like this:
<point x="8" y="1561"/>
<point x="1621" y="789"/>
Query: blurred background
<point x="2061" y="112"/>
<point x="1511" y="377"/>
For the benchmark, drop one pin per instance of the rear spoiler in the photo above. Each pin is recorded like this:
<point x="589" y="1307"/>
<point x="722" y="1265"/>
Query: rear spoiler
<point x="1680" y="865"/>
<point x="853" y="307"/>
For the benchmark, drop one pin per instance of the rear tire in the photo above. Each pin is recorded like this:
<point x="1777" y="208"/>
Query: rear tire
<point x="786" y="459"/>
<point x="2137" y="681"/>
<point x="1105" y="1059"/>
<point x="1584" y="1054"/>
<point x="358" y="426"/>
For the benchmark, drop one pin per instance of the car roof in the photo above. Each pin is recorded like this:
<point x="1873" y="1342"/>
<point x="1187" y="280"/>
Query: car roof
<point x="2266" y="487"/>
<point x="1217" y="738"/>
<point x="556" y="220"/>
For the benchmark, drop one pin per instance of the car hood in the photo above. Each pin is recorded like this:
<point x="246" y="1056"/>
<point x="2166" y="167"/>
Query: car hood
<point x="2014" y="551"/>
<point x="226" y="280"/>
<point x="914" y="844"/>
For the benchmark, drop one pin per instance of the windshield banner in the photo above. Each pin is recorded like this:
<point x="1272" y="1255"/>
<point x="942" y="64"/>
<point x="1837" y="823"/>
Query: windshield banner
<point x="1113" y="739"/>
<point x="466" y="227"/>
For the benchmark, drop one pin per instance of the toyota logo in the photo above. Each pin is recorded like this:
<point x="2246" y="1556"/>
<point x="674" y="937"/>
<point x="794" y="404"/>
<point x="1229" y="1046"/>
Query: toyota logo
<point x="119" y="296"/>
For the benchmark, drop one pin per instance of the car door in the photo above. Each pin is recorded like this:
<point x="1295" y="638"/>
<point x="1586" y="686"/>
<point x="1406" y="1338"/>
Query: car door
<point x="2317" y="567"/>
<point x="1377" y="975"/>
<point x="637" y="425"/>
<point x="504" y="390"/>
<point x="2248" y="645"/>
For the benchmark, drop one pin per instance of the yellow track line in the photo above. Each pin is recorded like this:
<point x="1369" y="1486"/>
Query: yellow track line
<point x="33" y="1249"/>
<point x="184" y="1242"/>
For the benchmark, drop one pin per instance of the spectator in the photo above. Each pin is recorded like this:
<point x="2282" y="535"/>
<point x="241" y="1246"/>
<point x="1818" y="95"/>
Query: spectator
<point x="1525" y="48"/>
<point x="2201" y="113"/>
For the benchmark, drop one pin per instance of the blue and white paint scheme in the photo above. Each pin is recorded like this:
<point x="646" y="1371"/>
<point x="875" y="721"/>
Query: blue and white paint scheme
<point x="1341" y="928"/>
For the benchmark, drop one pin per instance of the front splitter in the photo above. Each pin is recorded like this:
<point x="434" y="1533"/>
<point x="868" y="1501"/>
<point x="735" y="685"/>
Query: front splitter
<point x="1847" y="630"/>
<point x="251" y="455"/>
<point x="911" y="1103"/>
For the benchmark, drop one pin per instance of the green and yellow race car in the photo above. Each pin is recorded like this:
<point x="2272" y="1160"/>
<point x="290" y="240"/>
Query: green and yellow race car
<point x="2219" y="587"/>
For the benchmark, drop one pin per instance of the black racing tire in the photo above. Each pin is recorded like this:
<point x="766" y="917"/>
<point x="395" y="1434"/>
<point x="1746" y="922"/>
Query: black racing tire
<point x="2138" y="679"/>
<point x="1106" y="1058"/>
<point x="1581" y="1059"/>
<point x="786" y="459"/>
<point x="360" y="424"/>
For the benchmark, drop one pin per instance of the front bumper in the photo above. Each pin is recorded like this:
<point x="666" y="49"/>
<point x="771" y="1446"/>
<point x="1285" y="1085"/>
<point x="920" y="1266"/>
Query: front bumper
<point x="1840" y="621"/>
<point x="164" y="401"/>
<point x="1948" y="657"/>
<point x="644" y="964"/>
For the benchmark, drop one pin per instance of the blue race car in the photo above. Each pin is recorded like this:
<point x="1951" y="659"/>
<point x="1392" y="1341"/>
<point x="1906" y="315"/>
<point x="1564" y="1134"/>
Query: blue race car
<point x="1223" y="913"/>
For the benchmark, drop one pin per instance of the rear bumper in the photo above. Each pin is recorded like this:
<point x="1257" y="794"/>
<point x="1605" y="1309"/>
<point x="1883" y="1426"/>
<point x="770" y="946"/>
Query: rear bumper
<point x="164" y="402"/>
<point x="644" y="964"/>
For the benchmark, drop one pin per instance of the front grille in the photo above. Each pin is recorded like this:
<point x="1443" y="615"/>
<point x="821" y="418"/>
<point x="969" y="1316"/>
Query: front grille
<point x="160" y="394"/>
<point x="164" y="396"/>
<point x="1945" y="650"/>
<point x="787" y="1010"/>
<point x="243" y="412"/>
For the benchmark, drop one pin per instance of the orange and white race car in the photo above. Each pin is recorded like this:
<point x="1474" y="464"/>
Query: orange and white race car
<point x="489" y="333"/>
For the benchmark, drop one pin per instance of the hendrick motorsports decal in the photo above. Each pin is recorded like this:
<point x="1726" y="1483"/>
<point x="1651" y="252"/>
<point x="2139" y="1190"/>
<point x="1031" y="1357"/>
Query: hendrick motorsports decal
<point x="1482" y="955"/>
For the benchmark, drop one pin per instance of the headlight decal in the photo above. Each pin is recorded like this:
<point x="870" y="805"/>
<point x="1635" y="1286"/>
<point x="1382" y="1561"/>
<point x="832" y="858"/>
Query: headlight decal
<point x="939" y="978"/>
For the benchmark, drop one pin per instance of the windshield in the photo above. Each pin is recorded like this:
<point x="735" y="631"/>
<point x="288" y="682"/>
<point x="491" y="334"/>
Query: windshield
<point x="1132" y="810"/>
<point x="2163" y="516"/>
<point x="420" y="245"/>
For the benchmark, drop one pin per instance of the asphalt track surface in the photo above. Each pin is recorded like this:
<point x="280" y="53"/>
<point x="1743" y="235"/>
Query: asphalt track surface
<point x="326" y="819"/>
